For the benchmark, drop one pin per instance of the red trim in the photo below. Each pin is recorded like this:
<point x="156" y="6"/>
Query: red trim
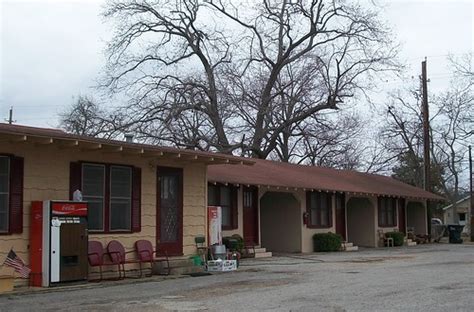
<point x="175" y="248"/>
<point x="250" y="216"/>
<point x="16" y="195"/>
<point x="340" y="214"/>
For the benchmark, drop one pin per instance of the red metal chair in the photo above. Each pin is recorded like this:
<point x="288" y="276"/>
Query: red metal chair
<point x="146" y="254"/>
<point x="118" y="256"/>
<point x="96" y="257"/>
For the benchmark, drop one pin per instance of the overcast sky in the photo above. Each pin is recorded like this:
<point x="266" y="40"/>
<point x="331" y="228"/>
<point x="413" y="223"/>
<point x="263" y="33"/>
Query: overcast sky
<point x="51" y="51"/>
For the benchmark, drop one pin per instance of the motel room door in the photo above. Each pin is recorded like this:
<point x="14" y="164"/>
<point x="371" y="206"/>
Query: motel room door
<point x="341" y="215"/>
<point x="250" y="215"/>
<point x="169" y="212"/>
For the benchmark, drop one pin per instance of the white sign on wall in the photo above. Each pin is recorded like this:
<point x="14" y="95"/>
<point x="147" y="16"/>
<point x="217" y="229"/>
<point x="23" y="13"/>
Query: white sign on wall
<point x="214" y="214"/>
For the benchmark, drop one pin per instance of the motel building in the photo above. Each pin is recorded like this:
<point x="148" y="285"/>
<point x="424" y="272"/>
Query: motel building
<point x="161" y="195"/>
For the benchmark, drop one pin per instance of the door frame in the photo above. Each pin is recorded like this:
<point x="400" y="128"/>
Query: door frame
<point x="255" y="202"/>
<point x="172" y="249"/>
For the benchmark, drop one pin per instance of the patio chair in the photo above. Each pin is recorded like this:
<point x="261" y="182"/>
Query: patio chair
<point x="146" y="254"/>
<point x="411" y="233"/>
<point x="386" y="241"/>
<point x="118" y="256"/>
<point x="201" y="247"/>
<point x="97" y="258"/>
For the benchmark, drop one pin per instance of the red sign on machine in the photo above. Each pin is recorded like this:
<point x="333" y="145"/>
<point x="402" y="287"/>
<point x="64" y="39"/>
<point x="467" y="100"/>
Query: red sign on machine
<point x="65" y="209"/>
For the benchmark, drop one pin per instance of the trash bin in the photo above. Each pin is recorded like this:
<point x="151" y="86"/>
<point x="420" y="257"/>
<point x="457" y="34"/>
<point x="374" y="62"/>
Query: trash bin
<point x="455" y="231"/>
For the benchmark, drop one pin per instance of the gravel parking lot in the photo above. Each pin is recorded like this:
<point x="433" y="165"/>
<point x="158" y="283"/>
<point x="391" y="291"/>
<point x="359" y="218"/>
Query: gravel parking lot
<point x="435" y="277"/>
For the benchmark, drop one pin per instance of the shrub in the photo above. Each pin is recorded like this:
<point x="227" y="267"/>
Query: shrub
<point x="327" y="242"/>
<point x="234" y="242"/>
<point x="398" y="237"/>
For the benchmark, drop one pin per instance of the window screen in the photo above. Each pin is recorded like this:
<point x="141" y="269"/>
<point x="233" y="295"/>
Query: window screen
<point x="120" y="197"/>
<point x="93" y="191"/>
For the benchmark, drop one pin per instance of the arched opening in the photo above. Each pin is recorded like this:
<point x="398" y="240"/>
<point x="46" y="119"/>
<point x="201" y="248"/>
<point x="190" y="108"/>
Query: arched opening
<point x="416" y="217"/>
<point x="361" y="222"/>
<point x="280" y="222"/>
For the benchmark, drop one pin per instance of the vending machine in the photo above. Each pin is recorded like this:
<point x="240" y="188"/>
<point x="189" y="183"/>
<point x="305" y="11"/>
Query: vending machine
<point x="58" y="242"/>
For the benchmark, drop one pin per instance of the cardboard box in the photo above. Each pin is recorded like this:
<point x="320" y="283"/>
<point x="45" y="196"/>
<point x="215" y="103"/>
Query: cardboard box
<point x="6" y="283"/>
<point x="221" y="265"/>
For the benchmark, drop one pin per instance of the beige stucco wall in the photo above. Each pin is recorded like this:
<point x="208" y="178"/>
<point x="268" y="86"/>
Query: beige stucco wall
<point x="280" y="224"/>
<point x="46" y="176"/>
<point x="361" y="216"/>
<point x="307" y="233"/>
<point x="416" y="217"/>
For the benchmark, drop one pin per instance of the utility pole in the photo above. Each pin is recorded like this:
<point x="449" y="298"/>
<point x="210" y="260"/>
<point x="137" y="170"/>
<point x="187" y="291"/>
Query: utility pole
<point x="10" y="116"/>
<point x="426" y="141"/>
<point x="471" y="228"/>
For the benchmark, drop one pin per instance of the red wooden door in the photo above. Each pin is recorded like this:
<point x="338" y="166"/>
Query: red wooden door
<point x="341" y="215"/>
<point x="401" y="216"/>
<point x="250" y="215"/>
<point x="169" y="212"/>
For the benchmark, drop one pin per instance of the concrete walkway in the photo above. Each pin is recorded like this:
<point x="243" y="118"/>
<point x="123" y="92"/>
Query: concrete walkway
<point x="421" y="278"/>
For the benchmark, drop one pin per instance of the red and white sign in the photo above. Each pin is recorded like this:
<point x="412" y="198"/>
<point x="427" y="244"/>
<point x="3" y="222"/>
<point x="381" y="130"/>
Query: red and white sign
<point x="66" y="209"/>
<point x="215" y="225"/>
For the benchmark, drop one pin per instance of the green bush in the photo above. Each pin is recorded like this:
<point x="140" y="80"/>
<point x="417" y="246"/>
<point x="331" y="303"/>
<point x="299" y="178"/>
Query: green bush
<point x="398" y="237"/>
<point x="234" y="242"/>
<point x="327" y="242"/>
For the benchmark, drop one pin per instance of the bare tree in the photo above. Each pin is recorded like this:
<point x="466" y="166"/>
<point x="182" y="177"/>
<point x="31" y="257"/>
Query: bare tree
<point x="240" y="76"/>
<point x="86" y="117"/>
<point x="451" y="129"/>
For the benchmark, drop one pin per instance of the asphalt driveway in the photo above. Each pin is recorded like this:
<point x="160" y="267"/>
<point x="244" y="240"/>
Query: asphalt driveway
<point x="422" y="278"/>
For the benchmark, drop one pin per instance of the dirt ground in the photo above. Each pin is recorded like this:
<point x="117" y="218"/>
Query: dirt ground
<point x="436" y="277"/>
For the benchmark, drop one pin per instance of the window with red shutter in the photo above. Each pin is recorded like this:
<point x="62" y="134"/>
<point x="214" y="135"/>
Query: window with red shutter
<point x="319" y="208"/>
<point x="387" y="211"/>
<point x="113" y="193"/>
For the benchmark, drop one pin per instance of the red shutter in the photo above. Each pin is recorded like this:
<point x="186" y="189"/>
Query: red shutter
<point x="75" y="174"/>
<point x="235" y="216"/>
<point x="136" y="199"/>
<point x="16" y="195"/>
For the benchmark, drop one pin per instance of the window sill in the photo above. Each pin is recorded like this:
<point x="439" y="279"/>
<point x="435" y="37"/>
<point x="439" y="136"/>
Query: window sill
<point x="109" y="232"/>
<point x="228" y="228"/>
<point x="319" y="226"/>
